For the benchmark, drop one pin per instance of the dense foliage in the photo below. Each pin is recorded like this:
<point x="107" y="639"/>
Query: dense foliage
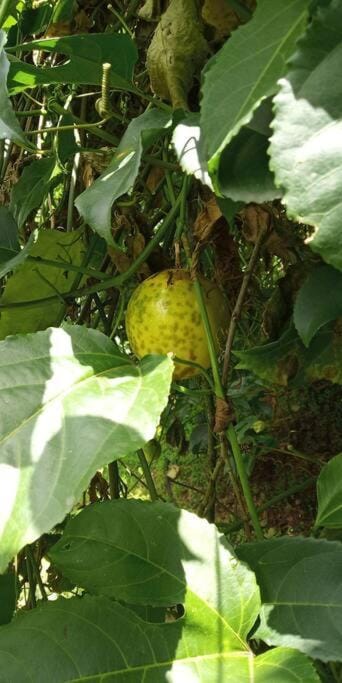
<point x="171" y="461"/>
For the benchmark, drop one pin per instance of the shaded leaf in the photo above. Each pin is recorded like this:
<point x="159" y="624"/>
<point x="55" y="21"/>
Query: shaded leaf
<point x="71" y="403"/>
<point x="85" y="639"/>
<point x="243" y="173"/>
<point x="319" y="300"/>
<point x="9" y="126"/>
<point x="32" y="187"/>
<point x="95" y="203"/>
<point x="287" y="358"/>
<point x="301" y="593"/>
<point x="16" y="258"/>
<point x="329" y="495"/>
<point x="237" y="79"/>
<point x="86" y="55"/>
<point x="306" y="148"/>
<point x="9" y="242"/>
<point x="33" y="280"/>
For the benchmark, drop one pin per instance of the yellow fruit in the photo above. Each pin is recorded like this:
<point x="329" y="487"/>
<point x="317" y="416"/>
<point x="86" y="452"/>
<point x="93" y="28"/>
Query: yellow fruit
<point x="163" y="316"/>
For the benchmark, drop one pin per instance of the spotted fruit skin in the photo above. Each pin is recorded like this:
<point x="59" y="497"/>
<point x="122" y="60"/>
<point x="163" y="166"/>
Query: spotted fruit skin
<point x="163" y="316"/>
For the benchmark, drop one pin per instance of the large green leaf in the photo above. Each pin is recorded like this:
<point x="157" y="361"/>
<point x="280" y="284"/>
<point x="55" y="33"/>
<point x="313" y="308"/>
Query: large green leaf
<point x="95" y="203"/>
<point x="301" y="592"/>
<point x="93" y="639"/>
<point x="287" y="358"/>
<point x="319" y="300"/>
<point x="9" y="126"/>
<point x="70" y="403"/>
<point x="245" y="71"/>
<point x="32" y="280"/>
<point x="306" y="148"/>
<point x="85" y="53"/>
<point x="149" y="552"/>
<point x="329" y="495"/>
<point x="32" y="187"/>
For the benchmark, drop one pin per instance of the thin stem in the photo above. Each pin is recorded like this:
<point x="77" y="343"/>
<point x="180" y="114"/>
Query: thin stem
<point x="239" y="303"/>
<point x="244" y="481"/>
<point x="147" y="474"/>
<point x="58" y="129"/>
<point x="219" y="392"/>
<point x="68" y="266"/>
<point x="296" y="488"/>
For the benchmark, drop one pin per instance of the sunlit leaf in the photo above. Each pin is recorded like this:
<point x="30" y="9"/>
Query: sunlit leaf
<point x="195" y="567"/>
<point x="301" y="592"/>
<point x="70" y="403"/>
<point x="306" y="148"/>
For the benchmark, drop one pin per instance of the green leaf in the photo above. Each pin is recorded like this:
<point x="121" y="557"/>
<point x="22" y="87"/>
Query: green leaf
<point x="32" y="187"/>
<point x="7" y="597"/>
<point x="9" y="242"/>
<point x="245" y="71"/>
<point x="9" y="126"/>
<point x="33" y="280"/>
<point x="243" y="172"/>
<point x="319" y="300"/>
<point x="287" y="358"/>
<point x="150" y="552"/>
<point x="16" y="258"/>
<point x="305" y="148"/>
<point x="71" y="403"/>
<point x="301" y="593"/>
<point x="86" y="55"/>
<point x="329" y="495"/>
<point x="95" y="203"/>
<point x="85" y="639"/>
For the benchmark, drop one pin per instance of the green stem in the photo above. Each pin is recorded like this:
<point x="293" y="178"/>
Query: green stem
<point x="219" y="392"/>
<point x="115" y="281"/>
<point x="147" y="474"/>
<point x="240" y="466"/>
<point x="68" y="266"/>
<point x="296" y="488"/>
<point x="4" y="11"/>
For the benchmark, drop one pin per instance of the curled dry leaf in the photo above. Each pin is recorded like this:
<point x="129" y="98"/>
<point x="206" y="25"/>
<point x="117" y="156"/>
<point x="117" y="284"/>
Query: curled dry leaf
<point x="206" y="220"/>
<point x="177" y="52"/>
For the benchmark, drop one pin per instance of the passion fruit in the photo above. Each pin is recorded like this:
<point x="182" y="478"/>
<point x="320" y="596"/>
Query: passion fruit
<point x="163" y="316"/>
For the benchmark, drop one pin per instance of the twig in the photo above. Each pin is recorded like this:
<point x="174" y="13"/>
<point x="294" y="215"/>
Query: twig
<point x="239" y="303"/>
